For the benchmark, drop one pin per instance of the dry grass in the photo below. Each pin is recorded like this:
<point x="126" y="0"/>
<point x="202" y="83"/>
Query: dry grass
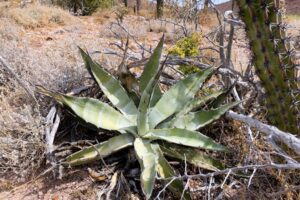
<point x="36" y="61"/>
<point x="35" y="15"/>
<point x="21" y="147"/>
<point x="148" y="13"/>
<point x="208" y="19"/>
<point x="9" y="30"/>
<point x="103" y="15"/>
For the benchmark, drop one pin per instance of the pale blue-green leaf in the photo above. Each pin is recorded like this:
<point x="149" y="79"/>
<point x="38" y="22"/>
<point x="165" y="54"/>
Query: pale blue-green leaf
<point x="92" y="111"/>
<point x="111" y="87"/>
<point x="152" y="68"/>
<point x="184" y="137"/>
<point x="97" y="151"/>
<point x="220" y="99"/>
<point x="191" y="155"/>
<point x="192" y="105"/>
<point x="143" y="119"/>
<point x="165" y="170"/>
<point x="199" y="102"/>
<point x="177" y="97"/>
<point x="195" y="120"/>
<point x="148" y="161"/>
<point x="156" y="95"/>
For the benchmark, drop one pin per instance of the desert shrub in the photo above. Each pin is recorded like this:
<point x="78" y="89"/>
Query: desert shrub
<point x="207" y="18"/>
<point x="187" y="47"/>
<point x="21" y="147"/>
<point x="120" y="12"/>
<point x="34" y="16"/>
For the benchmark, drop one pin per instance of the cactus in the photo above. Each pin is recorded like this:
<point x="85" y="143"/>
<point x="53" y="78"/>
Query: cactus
<point x="272" y="60"/>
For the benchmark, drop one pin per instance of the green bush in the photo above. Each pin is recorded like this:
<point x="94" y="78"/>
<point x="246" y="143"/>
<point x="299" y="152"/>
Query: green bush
<point x="87" y="7"/>
<point x="187" y="47"/>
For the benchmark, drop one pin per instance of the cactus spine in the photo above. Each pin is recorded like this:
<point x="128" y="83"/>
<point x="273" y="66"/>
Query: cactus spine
<point x="271" y="58"/>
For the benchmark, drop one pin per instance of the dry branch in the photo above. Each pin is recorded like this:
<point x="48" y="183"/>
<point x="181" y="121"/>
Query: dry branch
<point x="292" y="166"/>
<point x="289" y="139"/>
<point x="18" y="79"/>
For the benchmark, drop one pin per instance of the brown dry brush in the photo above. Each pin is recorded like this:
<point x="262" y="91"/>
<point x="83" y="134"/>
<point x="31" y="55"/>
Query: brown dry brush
<point x="21" y="146"/>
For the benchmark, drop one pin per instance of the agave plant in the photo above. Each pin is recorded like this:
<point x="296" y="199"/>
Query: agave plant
<point x="162" y="124"/>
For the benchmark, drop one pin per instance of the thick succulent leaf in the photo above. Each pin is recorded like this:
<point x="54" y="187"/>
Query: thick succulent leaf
<point x="148" y="160"/>
<point x="104" y="149"/>
<point x="221" y="98"/>
<point x="156" y="95"/>
<point x="191" y="155"/>
<point x="143" y="119"/>
<point x="184" y="137"/>
<point x="195" y="120"/>
<point x="165" y="170"/>
<point x="199" y="102"/>
<point x="192" y="105"/>
<point x="111" y="87"/>
<point x="177" y="97"/>
<point x="150" y="70"/>
<point x="92" y="111"/>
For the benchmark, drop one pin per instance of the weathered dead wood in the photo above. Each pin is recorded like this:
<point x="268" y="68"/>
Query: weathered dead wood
<point x="271" y="131"/>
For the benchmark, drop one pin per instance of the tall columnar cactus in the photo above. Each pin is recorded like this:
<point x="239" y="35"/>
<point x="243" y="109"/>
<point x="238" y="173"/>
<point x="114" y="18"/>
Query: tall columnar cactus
<point x="272" y="60"/>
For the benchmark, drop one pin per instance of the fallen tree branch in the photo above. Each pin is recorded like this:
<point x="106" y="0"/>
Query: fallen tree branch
<point x="289" y="139"/>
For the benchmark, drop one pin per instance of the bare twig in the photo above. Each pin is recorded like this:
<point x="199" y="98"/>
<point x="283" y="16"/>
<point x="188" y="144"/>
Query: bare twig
<point x="226" y="177"/>
<point x="101" y="158"/>
<point x="131" y="36"/>
<point x="165" y="187"/>
<point x="292" y="166"/>
<point x="284" y="191"/>
<point x="251" y="177"/>
<point x="19" y="80"/>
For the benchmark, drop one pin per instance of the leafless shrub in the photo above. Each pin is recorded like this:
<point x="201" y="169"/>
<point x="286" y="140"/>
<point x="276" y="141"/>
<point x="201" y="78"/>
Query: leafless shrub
<point x="9" y="30"/>
<point x="21" y="147"/>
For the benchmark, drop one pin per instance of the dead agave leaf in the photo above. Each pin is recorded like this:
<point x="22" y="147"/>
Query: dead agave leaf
<point x="106" y="193"/>
<point x="96" y="175"/>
